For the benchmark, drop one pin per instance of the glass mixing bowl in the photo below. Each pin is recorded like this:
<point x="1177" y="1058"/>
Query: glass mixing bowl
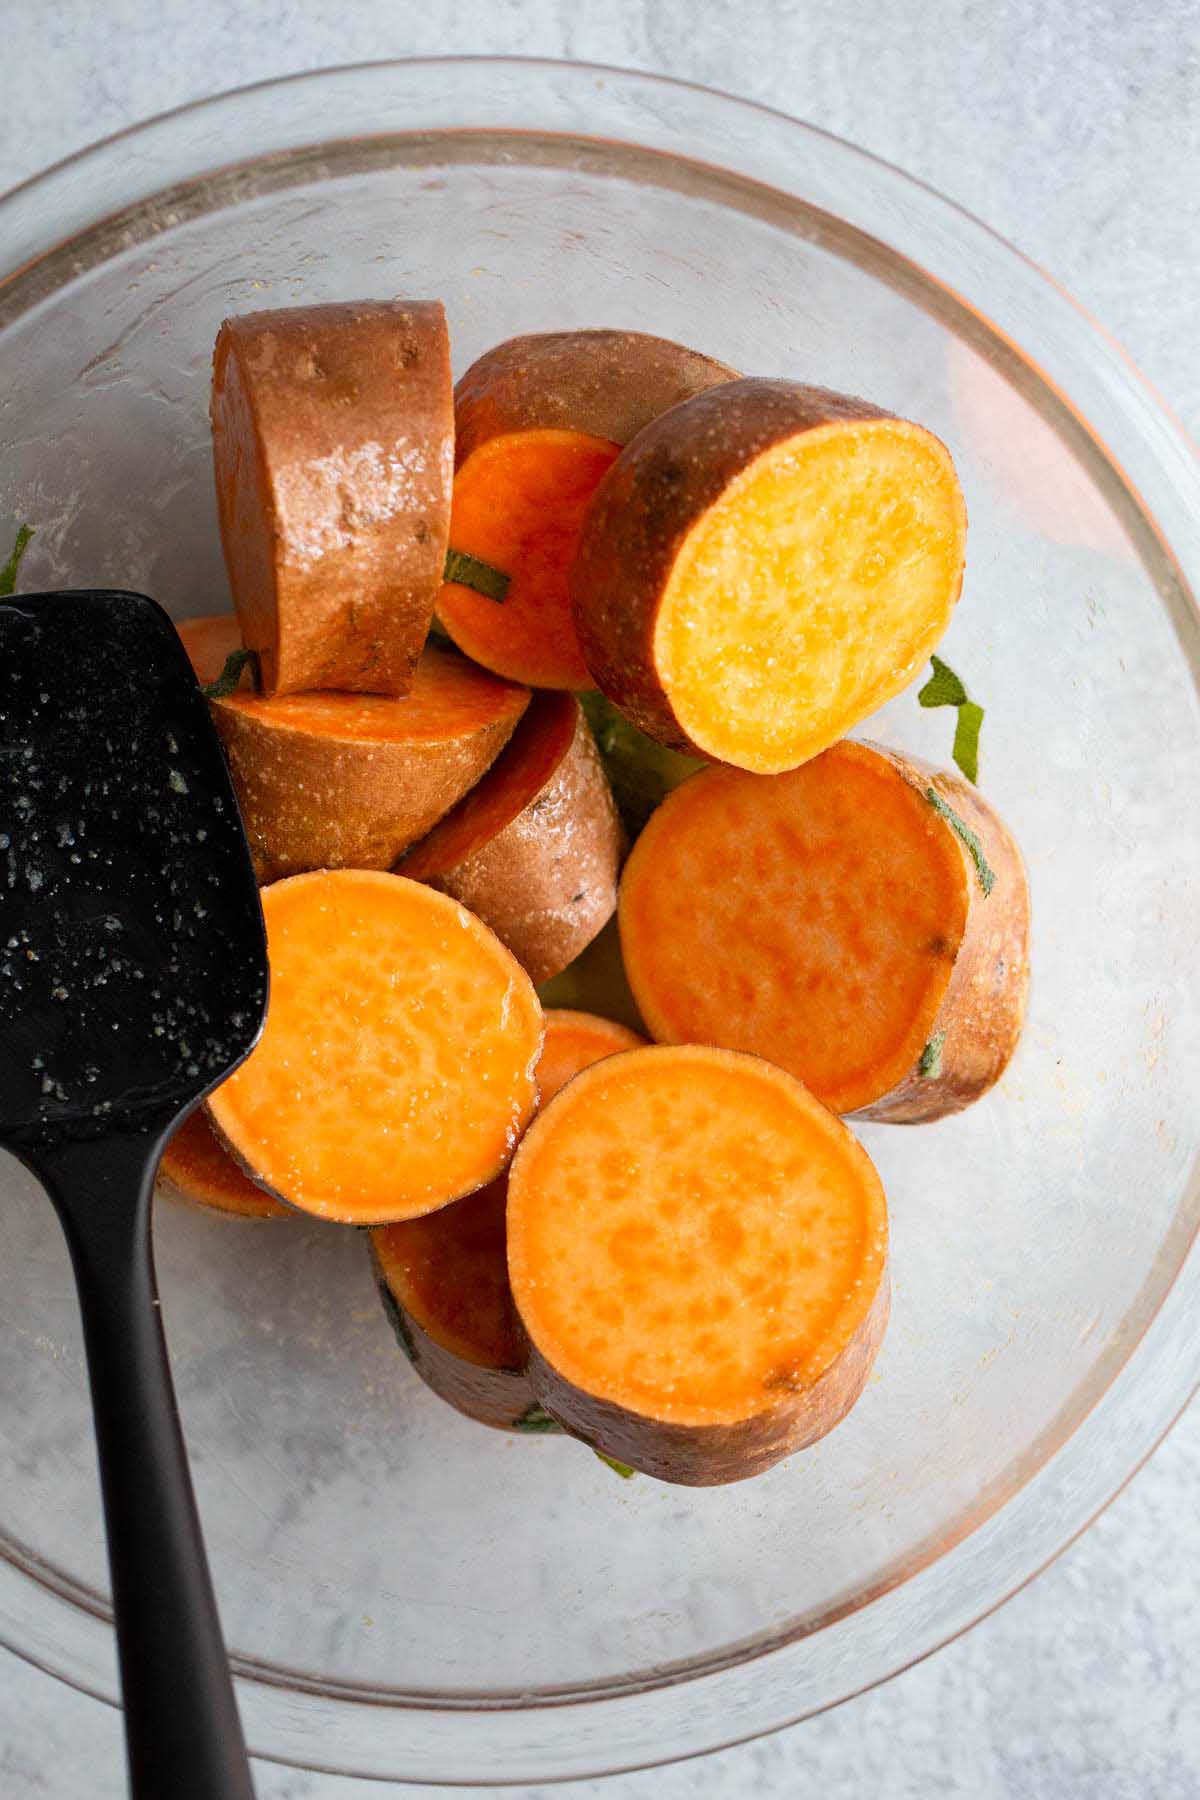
<point x="406" y="1594"/>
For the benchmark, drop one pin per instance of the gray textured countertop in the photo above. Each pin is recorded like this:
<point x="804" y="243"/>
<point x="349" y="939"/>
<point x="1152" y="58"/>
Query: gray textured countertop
<point x="1075" y="131"/>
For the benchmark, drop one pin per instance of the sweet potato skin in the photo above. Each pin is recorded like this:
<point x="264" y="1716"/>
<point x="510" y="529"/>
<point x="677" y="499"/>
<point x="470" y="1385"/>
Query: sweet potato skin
<point x="310" y="803"/>
<point x="547" y="883"/>
<point x="495" y="1397"/>
<point x="315" y="801"/>
<point x="609" y="384"/>
<point x="643" y="509"/>
<point x="715" y="1455"/>
<point x="980" y="1019"/>
<point x="333" y="454"/>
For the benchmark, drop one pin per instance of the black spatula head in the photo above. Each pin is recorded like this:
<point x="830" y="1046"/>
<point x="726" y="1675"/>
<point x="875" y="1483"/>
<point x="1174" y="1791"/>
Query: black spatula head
<point x="133" y="977"/>
<point x="133" y="970"/>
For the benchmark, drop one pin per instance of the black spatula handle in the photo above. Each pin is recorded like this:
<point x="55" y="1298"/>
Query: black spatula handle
<point x="183" y="1732"/>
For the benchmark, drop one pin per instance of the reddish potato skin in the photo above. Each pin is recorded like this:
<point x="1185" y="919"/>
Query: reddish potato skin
<point x="311" y="802"/>
<point x="333" y="456"/>
<point x="547" y="882"/>
<point x="983" y="1010"/>
<point x="608" y="384"/>
<point x="644" y="508"/>
<point x="714" y="1455"/>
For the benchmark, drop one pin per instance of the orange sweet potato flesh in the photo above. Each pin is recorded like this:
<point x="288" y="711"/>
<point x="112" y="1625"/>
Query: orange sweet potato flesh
<point x="444" y="1277"/>
<point x="573" y="1042"/>
<point x="535" y="848"/>
<point x="197" y="1165"/>
<point x="698" y="1254"/>
<point x="518" y="505"/>
<point x="763" y="566"/>
<point x="396" y="1071"/>
<point x="842" y="927"/>
<point x="539" y="419"/>
<point x="335" y="780"/>
<point x="333" y="439"/>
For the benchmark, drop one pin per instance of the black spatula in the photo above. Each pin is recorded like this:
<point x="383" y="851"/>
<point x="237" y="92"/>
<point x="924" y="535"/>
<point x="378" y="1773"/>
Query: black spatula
<point x="133" y="978"/>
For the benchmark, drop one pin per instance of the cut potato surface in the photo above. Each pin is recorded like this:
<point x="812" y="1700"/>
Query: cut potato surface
<point x="535" y="848"/>
<point x="197" y="1165"/>
<point x="843" y="926"/>
<point x="763" y="566"/>
<point x="396" y="1069"/>
<point x="337" y="780"/>
<point x="698" y="1253"/>
<point x="444" y="1278"/>
<point x="518" y="505"/>
<point x="333" y="449"/>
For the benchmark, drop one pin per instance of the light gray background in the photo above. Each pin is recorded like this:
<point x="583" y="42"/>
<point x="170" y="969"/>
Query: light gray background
<point x="1074" y="129"/>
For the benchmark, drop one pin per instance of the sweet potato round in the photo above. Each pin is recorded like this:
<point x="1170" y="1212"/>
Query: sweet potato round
<point x="764" y="565"/>
<point x="698" y="1254"/>
<point x="534" y="850"/>
<point x="333" y="780"/>
<point x="333" y="438"/>
<point x="538" y="421"/>
<point x="397" y="1068"/>
<point x="848" y="929"/>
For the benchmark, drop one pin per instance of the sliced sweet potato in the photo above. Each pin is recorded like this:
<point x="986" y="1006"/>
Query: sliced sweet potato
<point x="443" y="1279"/>
<point x="698" y="1254"/>
<point x="333" y="780"/>
<point x="535" y="848"/>
<point x="333" y="435"/>
<point x="397" y="1068"/>
<point x="539" y="420"/>
<point x="197" y="1165"/>
<point x="861" y="921"/>
<point x="763" y="566"/>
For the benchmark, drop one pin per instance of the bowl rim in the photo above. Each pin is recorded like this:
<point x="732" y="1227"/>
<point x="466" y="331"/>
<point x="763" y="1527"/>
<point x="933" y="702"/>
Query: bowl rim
<point x="44" y="178"/>
<point x="1165" y="1318"/>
